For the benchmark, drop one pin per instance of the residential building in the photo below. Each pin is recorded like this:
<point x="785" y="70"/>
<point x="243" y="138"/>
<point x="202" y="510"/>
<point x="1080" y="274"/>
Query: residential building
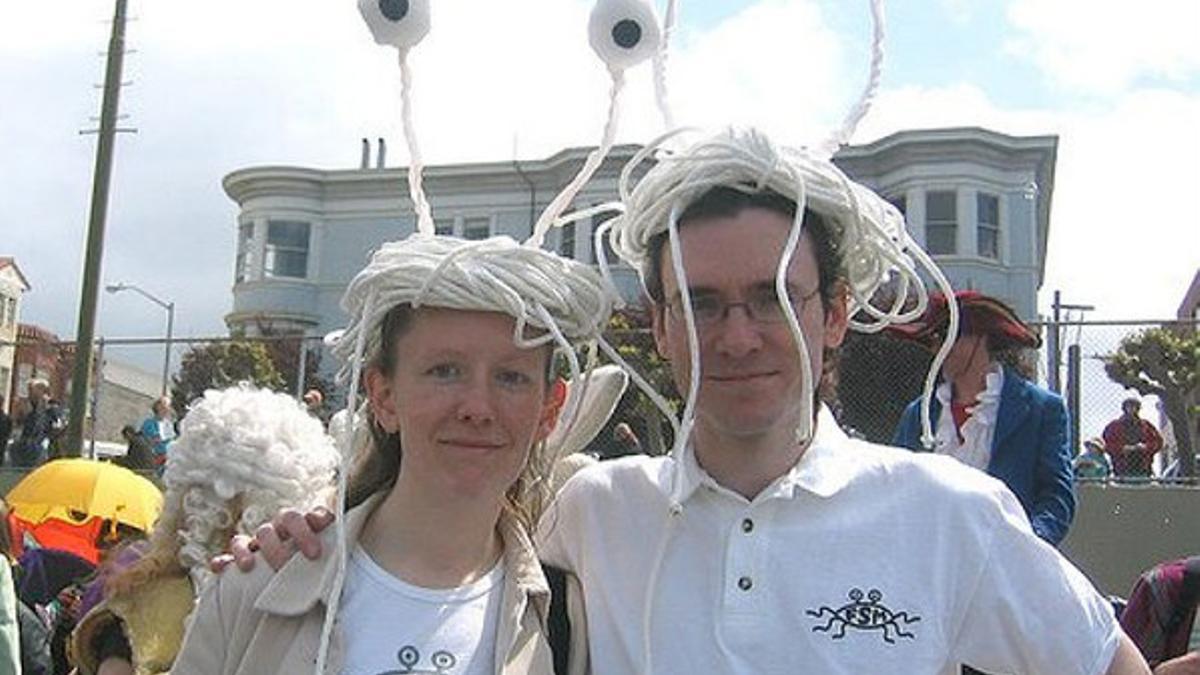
<point x="39" y="354"/>
<point x="978" y="200"/>
<point x="12" y="286"/>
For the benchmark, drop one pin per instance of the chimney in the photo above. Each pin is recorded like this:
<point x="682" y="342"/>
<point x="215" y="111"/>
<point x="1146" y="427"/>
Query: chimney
<point x="366" y="155"/>
<point x="382" y="159"/>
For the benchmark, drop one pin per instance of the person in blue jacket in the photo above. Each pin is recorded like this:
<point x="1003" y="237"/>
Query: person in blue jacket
<point x="998" y="421"/>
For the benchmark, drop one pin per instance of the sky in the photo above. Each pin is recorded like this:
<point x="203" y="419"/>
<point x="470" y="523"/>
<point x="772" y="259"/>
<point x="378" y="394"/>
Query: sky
<point x="220" y="85"/>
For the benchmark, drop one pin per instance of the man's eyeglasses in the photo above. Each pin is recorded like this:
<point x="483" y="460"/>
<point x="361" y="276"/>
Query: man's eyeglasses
<point x="761" y="305"/>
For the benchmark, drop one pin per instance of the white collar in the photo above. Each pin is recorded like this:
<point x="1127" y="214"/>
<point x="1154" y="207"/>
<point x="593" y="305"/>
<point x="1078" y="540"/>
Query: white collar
<point x="822" y="470"/>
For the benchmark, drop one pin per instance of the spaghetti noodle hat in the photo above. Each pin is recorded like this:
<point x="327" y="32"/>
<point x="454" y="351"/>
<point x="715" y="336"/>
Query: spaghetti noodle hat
<point x="868" y="232"/>
<point x="980" y="315"/>
<point x="553" y="299"/>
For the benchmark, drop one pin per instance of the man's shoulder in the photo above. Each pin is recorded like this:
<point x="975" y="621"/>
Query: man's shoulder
<point x="925" y="474"/>
<point x="619" y="478"/>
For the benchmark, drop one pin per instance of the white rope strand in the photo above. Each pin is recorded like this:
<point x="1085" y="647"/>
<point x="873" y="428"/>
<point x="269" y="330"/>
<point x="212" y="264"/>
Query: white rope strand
<point x="661" y="94"/>
<point x="340" y="557"/>
<point x="863" y="105"/>
<point x="563" y="199"/>
<point x="416" y="167"/>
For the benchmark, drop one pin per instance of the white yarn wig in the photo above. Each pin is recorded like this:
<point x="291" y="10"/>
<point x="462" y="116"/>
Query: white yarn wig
<point x="868" y="232"/>
<point x="242" y="454"/>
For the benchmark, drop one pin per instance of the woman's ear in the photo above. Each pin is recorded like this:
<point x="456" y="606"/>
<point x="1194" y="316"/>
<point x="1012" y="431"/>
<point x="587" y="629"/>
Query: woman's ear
<point x="556" y="396"/>
<point x="383" y="405"/>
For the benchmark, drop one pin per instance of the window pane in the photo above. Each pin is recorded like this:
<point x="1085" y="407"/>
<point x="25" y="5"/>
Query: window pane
<point x="609" y="254"/>
<point x="941" y="206"/>
<point x="241" y="269"/>
<point x="988" y="209"/>
<point x="287" y="233"/>
<point x="476" y="228"/>
<point x="443" y="226"/>
<point x="989" y="241"/>
<point x="940" y="239"/>
<point x="566" y="242"/>
<point x="286" y="263"/>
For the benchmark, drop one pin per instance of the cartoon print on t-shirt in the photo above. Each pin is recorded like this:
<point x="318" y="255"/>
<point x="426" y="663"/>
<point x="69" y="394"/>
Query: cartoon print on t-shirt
<point x="409" y="656"/>
<point x="869" y="615"/>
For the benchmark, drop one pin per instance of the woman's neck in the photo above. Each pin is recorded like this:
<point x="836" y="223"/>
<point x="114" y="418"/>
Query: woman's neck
<point x="432" y="543"/>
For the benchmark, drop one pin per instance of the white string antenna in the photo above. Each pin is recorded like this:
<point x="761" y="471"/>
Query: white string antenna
<point x="863" y="105"/>
<point x="403" y="25"/>
<point x="623" y="33"/>
<point x="416" y="165"/>
<point x="662" y="96"/>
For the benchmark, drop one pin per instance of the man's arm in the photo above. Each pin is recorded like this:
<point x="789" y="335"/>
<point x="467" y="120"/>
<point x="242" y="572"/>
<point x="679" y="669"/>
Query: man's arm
<point x="1188" y="664"/>
<point x="278" y="540"/>
<point x="1151" y="437"/>
<point x="1054" y="482"/>
<point x="1128" y="660"/>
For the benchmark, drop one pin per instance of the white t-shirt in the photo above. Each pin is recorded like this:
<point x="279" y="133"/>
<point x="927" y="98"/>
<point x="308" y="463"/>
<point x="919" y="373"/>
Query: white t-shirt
<point x="390" y="626"/>
<point x="861" y="559"/>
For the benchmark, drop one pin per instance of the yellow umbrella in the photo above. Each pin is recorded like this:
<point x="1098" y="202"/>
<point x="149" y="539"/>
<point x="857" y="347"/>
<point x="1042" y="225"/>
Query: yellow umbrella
<point x="77" y="489"/>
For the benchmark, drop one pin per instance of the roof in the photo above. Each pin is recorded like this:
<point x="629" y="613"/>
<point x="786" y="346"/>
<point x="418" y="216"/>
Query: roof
<point x="7" y="261"/>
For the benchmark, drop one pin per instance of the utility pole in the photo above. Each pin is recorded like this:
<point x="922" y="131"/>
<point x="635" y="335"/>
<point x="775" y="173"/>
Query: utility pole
<point x="85" y="331"/>
<point x="1054" y="341"/>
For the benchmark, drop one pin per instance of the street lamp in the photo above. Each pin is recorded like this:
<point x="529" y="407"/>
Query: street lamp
<point x="169" y="306"/>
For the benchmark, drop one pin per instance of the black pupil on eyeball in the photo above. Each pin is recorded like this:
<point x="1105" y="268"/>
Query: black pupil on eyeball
<point x="394" y="10"/>
<point x="627" y="33"/>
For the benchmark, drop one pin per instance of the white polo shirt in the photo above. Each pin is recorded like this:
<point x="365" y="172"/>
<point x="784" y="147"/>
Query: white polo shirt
<point x="861" y="559"/>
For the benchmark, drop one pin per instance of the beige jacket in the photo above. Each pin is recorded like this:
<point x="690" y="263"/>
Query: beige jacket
<point x="264" y="622"/>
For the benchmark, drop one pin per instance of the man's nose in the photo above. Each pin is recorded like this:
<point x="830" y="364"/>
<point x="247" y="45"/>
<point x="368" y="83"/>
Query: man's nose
<point x="737" y="333"/>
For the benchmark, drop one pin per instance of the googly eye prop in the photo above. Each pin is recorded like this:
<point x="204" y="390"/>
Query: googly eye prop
<point x="623" y="33"/>
<point x="403" y="24"/>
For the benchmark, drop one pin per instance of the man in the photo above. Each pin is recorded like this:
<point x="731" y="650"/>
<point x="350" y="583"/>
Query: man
<point x="757" y="548"/>
<point x="1131" y="441"/>
<point x="139" y="456"/>
<point x="989" y="413"/>
<point x="40" y="422"/>
<point x="159" y="431"/>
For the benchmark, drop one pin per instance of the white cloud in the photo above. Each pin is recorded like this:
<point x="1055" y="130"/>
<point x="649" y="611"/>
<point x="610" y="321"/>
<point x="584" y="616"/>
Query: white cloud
<point x="1105" y="47"/>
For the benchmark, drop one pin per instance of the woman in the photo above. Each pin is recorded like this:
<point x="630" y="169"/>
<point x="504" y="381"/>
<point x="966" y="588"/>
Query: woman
<point x="242" y="453"/>
<point x="989" y="415"/>
<point x="456" y="338"/>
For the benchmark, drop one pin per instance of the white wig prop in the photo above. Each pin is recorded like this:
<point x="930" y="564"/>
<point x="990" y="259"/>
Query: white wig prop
<point x="242" y="454"/>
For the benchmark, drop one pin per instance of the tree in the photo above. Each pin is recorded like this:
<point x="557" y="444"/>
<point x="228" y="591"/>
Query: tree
<point x="1164" y="362"/>
<point x="629" y="333"/>
<point x="284" y="351"/>
<point x="876" y="377"/>
<point x="219" y="365"/>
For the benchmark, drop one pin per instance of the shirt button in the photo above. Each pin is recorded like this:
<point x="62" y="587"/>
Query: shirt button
<point x="747" y="526"/>
<point x="745" y="583"/>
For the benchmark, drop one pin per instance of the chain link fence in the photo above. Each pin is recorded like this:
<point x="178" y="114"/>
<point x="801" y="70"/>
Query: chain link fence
<point x="876" y="377"/>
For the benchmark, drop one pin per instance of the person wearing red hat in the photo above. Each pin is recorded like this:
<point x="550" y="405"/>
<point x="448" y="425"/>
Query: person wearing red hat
<point x="998" y="421"/>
